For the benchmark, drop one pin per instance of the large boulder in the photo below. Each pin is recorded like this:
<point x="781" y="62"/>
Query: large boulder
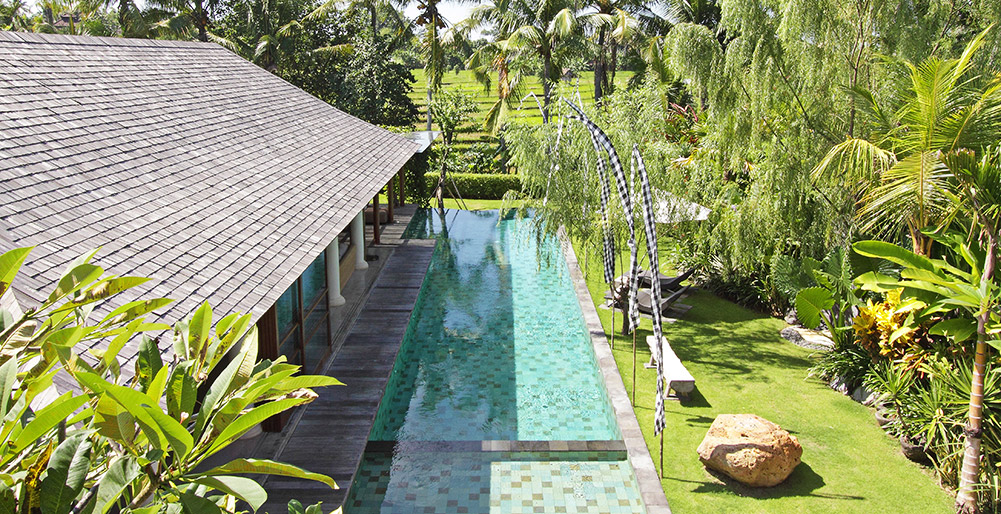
<point x="750" y="449"/>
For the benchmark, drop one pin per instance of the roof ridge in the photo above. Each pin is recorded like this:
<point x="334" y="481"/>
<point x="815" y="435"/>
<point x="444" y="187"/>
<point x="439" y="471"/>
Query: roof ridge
<point x="65" y="39"/>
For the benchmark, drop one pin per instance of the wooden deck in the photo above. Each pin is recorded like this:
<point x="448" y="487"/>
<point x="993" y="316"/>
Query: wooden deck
<point x="330" y="435"/>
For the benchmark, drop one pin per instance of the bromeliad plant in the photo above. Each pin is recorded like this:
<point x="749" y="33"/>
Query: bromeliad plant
<point x="132" y="444"/>
<point x="970" y="300"/>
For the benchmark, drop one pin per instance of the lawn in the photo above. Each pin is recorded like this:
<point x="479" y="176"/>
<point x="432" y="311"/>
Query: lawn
<point x="473" y="132"/>
<point x="741" y="365"/>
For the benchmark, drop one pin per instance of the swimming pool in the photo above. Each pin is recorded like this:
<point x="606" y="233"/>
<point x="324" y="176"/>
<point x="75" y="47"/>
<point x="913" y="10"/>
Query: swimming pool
<point x="495" y="403"/>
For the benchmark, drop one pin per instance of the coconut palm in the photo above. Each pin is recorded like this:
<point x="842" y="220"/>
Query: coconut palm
<point x="617" y="23"/>
<point x="389" y="10"/>
<point x="189" y="15"/>
<point x="898" y="172"/>
<point x="533" y="28"/>
<point x="14" y="16"/>
<point x="978" y="194"/>
<point x="432" y="48"/>
<point x="932" y="158"/>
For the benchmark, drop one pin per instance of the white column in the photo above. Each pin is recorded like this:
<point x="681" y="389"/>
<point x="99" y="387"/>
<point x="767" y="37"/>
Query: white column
<point x="358" y="240"/>
<point x="334" y="274"/>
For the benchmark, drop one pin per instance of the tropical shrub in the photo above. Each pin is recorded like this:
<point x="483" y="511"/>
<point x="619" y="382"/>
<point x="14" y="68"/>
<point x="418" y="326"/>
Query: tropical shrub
<point x="131" y="440"/>
<point x="483" y="186"/>
<point x="883" y="330"/>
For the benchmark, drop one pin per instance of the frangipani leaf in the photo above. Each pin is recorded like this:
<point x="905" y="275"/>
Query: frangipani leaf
<point x="268" y="467"/>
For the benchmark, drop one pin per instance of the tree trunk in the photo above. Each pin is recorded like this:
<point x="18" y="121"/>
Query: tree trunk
<point x="440" y="192"/>
<point x="429" y="106"/>
<point x="610" y="87"/>
<point x="547" y="63"/>
<point x="202" y="21"/>
<point x="374" y="22"/>
<point x="599" y="67"/>
<point x="123" y="15"/>
<point x="920" y="243"/>
<point x="969" y="475"/>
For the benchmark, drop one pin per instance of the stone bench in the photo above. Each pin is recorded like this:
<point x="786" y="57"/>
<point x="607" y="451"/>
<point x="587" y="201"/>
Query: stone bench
<point x="678" y="378"/>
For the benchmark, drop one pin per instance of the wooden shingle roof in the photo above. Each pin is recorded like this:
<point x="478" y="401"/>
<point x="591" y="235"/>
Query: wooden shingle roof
<point x="182" y="161"/>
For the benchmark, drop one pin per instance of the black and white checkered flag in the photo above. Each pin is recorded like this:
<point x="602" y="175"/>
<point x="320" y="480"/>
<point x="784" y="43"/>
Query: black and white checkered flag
<point x="650" y="222"/>
<point x="608" y="245"/>
<point x="625" y="197"/>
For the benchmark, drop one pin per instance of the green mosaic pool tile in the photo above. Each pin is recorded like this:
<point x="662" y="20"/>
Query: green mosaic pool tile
<point x="496" y="482"/>
<point x="497" y="348"/>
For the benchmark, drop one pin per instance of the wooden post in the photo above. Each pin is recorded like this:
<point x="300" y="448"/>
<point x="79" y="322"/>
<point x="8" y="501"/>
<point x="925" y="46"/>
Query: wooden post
<point x="267" y="330"/>
<point x="375" y="218"/>
<point x="634" y="367"/>
<point x="403" y="186"/>
<point x="390" y="200"/>
<point x="661" y="454"/>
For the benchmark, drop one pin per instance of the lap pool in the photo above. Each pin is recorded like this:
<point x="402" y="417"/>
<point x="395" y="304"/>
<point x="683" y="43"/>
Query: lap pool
<point x="495" y="403"/>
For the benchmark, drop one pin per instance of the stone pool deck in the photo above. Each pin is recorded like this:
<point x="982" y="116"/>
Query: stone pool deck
<point x="646" y="473"/>
<point x="330" y="434"/>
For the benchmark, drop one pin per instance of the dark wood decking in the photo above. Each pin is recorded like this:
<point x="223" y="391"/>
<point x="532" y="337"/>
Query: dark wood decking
<point x="331" y="435"/>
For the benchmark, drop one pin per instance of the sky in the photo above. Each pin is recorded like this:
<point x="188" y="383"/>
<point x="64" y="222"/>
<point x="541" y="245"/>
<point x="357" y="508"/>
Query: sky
<point x="452" y="12"/>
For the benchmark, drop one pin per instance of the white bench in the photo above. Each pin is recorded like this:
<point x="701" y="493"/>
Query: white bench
<point x="678" y="378"/>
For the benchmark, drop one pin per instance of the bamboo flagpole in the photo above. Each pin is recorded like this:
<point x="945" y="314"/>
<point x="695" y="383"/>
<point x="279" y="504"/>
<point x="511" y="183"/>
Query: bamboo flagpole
<point x="650" y="223"/>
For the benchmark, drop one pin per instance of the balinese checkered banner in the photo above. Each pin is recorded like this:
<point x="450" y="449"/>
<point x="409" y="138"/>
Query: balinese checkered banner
<point x="650" y="222"/>
<point x="625" y="197"/>
<point x="608" y="244"/>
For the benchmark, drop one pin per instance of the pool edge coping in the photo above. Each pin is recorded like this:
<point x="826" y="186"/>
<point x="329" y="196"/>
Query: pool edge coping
<point x="648" y="481"/>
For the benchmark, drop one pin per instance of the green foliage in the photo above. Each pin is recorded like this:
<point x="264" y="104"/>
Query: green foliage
<point x="376" y="89"/>
<point x="831" y="301"/>
<point x="900" y="170"/>
<point x="776" y="96"/>
<point x="483" y="186"/>
<point x="137" y="444"/>
<point x="450" y="108"/>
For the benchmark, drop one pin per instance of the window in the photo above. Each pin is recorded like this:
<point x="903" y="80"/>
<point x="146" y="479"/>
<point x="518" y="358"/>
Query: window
<point x="301" y="318"/>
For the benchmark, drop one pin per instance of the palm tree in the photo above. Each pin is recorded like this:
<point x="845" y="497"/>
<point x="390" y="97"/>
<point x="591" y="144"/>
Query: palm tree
<point x="13" y="16"/>
<point x="897" y="172"/>
<point x="372" y="7"/>
<point x="932" y="156"/>
<point x="537" y="29"/>
<point x="432" y="47"/>
<point x="978" y="193"/>
<point x="193" y="14"/>
<point x="617" y="22"/>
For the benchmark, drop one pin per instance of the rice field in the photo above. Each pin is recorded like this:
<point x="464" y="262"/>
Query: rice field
<point x="473" y="132"/>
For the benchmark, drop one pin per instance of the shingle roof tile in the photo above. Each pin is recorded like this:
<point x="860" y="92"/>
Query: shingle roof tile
<point x="182" y="161"/>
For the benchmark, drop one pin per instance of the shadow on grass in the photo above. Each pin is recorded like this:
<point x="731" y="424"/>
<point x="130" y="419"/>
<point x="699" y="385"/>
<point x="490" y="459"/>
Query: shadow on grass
<point x="695" y="399"/>
<point x="803" y="481"/>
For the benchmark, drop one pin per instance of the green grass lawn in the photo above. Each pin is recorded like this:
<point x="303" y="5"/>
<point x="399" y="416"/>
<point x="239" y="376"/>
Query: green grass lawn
<point x="742" y="365"/>
<point x="473" y="132"/>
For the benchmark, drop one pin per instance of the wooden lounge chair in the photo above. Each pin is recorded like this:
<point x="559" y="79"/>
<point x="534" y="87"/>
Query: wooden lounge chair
<point x="644" y="301"/>
<point x="643" y="298"/>
<point x="678" y="378"/>
<point x="666" y="283"/>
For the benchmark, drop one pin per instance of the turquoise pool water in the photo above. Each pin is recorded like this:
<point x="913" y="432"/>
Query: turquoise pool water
<point x="496" y="350"/>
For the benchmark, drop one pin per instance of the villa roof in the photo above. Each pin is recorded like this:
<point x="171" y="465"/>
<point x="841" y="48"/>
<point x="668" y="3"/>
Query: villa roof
<point x="182" y="161"/>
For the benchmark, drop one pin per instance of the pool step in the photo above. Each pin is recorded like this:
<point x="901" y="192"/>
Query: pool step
<point x="495" y="446"/>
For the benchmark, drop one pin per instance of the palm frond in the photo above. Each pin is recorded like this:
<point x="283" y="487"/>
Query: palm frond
<point x="853" y="163"/>
<point x="912" y="194"/>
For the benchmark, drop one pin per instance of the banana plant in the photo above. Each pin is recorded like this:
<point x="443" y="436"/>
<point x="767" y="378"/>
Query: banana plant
<point x="974" y="297"/>
<point x="135" y="445"/>
<point x="832" y="301"/>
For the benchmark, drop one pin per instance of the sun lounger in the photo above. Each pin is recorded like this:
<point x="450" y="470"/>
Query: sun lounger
<point x="643" y="298"/>
<point x="678" y="378"/>
<point x="666" y="283"/>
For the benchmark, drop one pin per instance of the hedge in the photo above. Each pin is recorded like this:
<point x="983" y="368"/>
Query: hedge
<point x="479" y="186"/>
